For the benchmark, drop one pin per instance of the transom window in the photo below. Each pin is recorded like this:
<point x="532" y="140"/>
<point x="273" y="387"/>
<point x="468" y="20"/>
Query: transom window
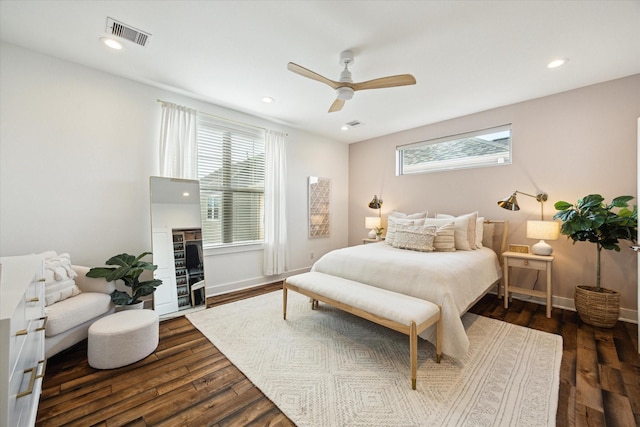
<point x="487" y="147"/>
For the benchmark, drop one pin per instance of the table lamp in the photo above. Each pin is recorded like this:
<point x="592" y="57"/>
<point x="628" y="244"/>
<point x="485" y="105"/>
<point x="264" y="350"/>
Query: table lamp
<point x="543" y="230"/>
<point x="372" y="222"/>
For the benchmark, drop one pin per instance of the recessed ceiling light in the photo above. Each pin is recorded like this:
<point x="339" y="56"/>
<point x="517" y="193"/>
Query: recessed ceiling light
<point x="185" y="194"/>
<point x="344" y="128"/>
<point x="267" y="99"/>
<point x="112" y="43"/>
<point x="557" y="63"/>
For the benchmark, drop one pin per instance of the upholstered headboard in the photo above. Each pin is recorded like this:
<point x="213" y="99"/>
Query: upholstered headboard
<point x="495" y="236"/>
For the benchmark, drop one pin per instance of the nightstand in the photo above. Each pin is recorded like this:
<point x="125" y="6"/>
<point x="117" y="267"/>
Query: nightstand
<point x="531" y="262"/>
<point x="365" y="241"/>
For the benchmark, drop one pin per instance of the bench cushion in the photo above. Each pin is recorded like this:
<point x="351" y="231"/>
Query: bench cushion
<point x="387" y="304"/>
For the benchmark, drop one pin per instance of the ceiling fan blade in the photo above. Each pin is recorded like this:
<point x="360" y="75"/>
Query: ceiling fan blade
<point x="312" y="75"/>
<point x="391" y="81"/>
<point x="337" y="105"/>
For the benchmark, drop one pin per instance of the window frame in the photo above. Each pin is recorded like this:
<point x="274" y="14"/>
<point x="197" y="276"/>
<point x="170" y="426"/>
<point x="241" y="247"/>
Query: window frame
<point x="466" y="162"/>
<point x="219" y="140"/>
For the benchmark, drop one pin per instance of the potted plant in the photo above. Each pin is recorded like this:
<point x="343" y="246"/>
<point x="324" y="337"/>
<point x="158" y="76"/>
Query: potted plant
<point x="592" y="220"/>
<point x="129" y="268"/>
<point x="379" y="231"/>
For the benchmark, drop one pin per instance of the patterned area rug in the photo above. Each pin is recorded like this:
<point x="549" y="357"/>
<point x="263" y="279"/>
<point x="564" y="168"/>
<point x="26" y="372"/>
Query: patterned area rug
<point x="328" y="368"/>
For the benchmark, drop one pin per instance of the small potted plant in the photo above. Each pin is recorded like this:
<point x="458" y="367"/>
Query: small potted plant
<point x="129" y="268"/>
<point x="379" y="231"/>
<point x="592" y="220"/>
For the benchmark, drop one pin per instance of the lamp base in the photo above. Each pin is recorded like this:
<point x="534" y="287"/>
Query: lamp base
<point x="542" y="248"/>
<point x="372" y="234"/>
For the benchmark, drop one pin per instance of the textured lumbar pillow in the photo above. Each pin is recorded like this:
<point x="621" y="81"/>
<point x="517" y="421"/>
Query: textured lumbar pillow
<point x="415" y="238"/>
<point x="393" y="223"/>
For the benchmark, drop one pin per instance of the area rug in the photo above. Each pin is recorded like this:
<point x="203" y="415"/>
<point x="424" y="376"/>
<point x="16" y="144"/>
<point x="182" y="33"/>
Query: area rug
<point x="325" y="367"/>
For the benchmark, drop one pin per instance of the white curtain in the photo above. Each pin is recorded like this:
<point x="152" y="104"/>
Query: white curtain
<point x="275" y="206"/>
<point x="178" y="142"/>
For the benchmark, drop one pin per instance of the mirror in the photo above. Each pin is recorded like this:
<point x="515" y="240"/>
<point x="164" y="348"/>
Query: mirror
<point x="176" y="233"/>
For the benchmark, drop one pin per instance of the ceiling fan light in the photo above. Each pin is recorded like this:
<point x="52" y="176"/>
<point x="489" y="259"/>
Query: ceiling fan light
<point x="344" y="93"/>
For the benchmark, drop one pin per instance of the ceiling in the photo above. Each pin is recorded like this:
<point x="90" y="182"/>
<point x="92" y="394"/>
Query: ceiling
<point x="467" y="56"/>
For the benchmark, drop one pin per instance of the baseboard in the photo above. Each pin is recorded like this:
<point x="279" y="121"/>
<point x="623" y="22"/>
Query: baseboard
<point x="626" y="315"/>
<point x="251" y="283"/>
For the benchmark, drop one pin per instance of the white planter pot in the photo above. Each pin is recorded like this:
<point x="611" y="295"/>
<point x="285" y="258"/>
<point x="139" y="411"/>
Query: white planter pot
<point x="138" y="306"/>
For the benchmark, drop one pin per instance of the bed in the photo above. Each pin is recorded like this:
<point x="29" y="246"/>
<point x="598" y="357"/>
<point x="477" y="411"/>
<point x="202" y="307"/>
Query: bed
<point x="453" y="280"/>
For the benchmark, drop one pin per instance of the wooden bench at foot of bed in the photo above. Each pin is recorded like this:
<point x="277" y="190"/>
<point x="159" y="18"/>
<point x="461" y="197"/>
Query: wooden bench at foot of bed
<point x="399" y="312"/>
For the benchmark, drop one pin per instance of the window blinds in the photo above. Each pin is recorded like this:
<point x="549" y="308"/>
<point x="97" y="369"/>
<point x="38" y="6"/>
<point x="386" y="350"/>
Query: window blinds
<point x="231" y="173"/>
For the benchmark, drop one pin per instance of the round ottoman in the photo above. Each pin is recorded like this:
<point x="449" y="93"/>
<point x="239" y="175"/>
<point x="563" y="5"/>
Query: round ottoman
<point x="122" y="338"/>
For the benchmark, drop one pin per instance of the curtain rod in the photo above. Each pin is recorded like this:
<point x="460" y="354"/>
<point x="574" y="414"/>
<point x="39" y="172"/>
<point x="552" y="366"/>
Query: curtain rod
<point x="223" y="118"/>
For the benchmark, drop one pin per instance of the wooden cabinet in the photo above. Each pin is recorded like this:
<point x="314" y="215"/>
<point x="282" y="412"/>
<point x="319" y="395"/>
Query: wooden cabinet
<point x="22" y="325"/>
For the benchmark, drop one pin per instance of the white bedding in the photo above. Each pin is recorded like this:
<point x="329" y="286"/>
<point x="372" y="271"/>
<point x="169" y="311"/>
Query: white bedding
<point x="453" y="280"/>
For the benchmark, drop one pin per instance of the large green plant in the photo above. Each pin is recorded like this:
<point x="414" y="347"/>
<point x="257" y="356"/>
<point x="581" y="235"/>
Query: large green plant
<point x="129" y="268"/>
<point x="592" y="220"/>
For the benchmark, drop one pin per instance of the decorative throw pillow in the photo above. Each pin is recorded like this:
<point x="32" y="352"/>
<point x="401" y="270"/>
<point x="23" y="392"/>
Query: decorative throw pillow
<point x="58" y="274"/>
<point x="418" y="215"/>
<point x="415" y="238"/>
<point x="465" y="230"/>
<point x="445" y="234"/>
<point x="393" y="223"/>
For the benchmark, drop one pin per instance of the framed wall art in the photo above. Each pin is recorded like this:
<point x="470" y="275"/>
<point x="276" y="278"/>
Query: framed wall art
<point x="319" y="207"/>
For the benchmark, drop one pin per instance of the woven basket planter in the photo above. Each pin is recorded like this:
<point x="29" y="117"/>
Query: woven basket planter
<point x="597" y="308"/>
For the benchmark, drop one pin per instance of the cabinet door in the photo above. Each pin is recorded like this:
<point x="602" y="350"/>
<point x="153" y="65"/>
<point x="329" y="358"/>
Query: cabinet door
<point x="165" y="298"/>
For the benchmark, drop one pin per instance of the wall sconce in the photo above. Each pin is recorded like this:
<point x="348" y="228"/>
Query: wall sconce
<point x="543" y="230"/>
<point x="511" y="202"/>
<point x="376" y="203"/>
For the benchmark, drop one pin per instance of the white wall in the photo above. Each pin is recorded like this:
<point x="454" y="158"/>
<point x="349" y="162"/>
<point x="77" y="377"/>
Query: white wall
<point x="77" y="147"/>
<point x="568" y="145"/>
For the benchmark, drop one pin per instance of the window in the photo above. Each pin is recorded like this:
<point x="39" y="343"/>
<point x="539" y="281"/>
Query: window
<point x="231" y="173"/>
<point x="488" y="147"/>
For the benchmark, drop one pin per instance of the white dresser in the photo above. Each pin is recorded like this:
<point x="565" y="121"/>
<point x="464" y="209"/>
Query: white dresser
<point x="22" y="325"/>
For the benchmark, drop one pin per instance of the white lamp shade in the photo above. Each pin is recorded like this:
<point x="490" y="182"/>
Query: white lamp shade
<point x="546" y="230"/>
<point x="549" y="230"/>
<point x="372" y="222"/>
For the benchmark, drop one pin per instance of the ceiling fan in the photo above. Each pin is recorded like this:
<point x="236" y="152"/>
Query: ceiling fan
<point x="345" y="87"/>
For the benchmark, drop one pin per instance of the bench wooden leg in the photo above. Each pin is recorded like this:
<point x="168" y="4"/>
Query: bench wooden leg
<point x="284" y="301"/>
<point x="413" y="350"/>
<point x="439" y="339"/>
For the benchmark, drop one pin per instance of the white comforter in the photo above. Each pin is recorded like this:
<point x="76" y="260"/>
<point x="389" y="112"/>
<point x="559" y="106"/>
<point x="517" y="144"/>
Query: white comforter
<point x="453" y="280"/>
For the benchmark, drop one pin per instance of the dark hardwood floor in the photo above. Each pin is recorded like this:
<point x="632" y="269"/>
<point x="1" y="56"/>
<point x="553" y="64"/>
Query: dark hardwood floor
<point x="188" y="382"/>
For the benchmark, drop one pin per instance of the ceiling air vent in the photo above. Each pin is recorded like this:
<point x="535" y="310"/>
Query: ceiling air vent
<point x="354" y="123"/>
<point x="127" y="32"/>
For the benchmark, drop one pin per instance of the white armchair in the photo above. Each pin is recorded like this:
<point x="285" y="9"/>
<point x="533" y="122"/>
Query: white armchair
<point x="68" y="320"/>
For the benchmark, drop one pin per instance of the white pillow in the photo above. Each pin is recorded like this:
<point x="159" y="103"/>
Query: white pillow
<point x="393" y="223"/>
<point x="445" y="234"/>
<point x="419" y="215"/>
<point x="59" y="275"/>
<point x="465" y="230"/>
<point x="415" y="238"/>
